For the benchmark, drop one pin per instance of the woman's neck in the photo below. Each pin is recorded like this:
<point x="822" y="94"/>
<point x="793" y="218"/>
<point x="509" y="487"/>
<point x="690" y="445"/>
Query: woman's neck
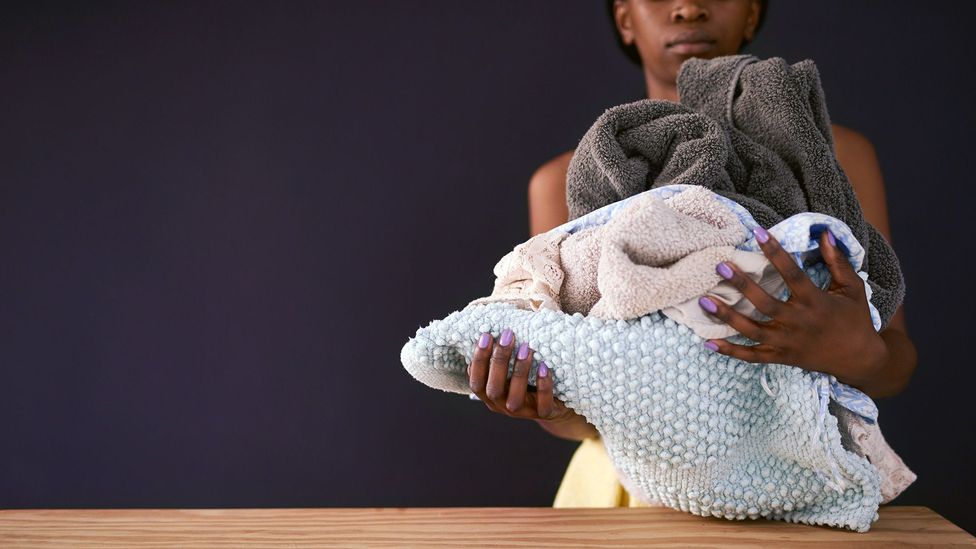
<point x="662" y="92"/>
<point x="661" y="89"/>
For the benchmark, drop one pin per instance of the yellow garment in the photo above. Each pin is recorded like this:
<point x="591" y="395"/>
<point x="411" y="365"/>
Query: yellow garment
<point x="591" y="481"/>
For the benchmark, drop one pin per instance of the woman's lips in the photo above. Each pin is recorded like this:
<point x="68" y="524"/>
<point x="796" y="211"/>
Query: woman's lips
<point x="691" y="48"/>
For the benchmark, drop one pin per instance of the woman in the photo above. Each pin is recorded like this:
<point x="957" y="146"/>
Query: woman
<point x="660" y="35"/>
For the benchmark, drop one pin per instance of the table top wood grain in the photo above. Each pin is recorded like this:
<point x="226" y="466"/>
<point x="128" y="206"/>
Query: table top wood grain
<point x="454" y="527"/>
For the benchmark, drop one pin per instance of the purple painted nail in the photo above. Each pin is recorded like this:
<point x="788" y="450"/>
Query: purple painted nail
<point x="761" y="235"/>
<point x="710" y="345"/>
<point x="484" y="341"/>
<point x="830" y="238"/>
<point x="523" y="352"/>
<point x="543" y="369"/>
<point x="707" y="304"/>
<point x="724" y="270"/>
<point x="506" y="338"/>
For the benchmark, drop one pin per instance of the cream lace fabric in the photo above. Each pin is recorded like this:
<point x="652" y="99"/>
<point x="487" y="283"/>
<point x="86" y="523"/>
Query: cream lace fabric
<point x="865" y="439"/>
<point x="530" y="276"/>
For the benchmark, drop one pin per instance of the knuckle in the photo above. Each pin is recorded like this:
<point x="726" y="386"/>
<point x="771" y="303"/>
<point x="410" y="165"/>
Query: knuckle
<point x="794" y="275"/>
<point x="749" y="356"/>
<point x="476" y="385"/>
<point x="722" y="313"/>
<point x="498" y="361"/>
<point x="774" y="356"/>
<point x="736" y="351"/>
<point x="480" y="357"/>
<point x="816" y="315"/>
<point x="738" y="281"/>
<point x="521" y="370"/>
<point x="775" y="307"/>
<point x="500" y="352"/>
<point x="494" y="393"/>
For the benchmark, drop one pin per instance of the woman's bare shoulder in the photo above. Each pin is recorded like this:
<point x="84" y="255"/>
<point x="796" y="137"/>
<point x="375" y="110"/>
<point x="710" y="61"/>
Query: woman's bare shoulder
<point x="553" y="170"/>
<point x="857" y="157"/>
<point x="547" y="194"/>
<point x="848" y="141"/>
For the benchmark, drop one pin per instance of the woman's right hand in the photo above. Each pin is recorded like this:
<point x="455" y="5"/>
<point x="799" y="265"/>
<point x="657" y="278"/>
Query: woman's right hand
<point x="488" y="379"/>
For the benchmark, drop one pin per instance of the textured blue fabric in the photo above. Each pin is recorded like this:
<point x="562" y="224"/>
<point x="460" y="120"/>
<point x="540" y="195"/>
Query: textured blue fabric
<point x="689" y="428"/>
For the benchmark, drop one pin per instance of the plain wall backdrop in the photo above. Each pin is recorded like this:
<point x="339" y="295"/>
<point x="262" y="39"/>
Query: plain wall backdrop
<point x="220" y="221"/>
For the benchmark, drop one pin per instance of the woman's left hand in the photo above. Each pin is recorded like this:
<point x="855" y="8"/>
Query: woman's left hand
<point x="826" y="331"/>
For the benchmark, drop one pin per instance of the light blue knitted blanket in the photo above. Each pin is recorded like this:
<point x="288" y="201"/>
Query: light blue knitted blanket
<point x="685" y="427"/>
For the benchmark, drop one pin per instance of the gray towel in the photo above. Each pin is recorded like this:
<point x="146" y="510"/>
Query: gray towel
<point x="756" y="131"/>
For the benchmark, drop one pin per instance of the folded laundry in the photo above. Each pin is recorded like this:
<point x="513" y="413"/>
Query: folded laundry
<point x="698" y="431"/>
<point x="684" y="427"/>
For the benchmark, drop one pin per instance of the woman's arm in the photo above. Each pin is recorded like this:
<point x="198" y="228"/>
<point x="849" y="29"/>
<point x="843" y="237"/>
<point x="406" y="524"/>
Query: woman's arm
<point x="548" y="209"/>
<point x="547" y="195"/>
<point x="857" y="157"/>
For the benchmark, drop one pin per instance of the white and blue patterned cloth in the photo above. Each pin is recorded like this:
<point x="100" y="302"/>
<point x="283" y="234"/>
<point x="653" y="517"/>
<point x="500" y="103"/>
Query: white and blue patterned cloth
<point x="799" y="235"/>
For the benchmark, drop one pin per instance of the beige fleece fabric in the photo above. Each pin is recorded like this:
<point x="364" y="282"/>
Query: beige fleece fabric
<point x="655" y="254"/>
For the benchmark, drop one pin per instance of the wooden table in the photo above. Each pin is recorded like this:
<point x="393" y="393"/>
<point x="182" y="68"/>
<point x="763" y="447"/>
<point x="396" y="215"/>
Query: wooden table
<point x="458" y="527"/>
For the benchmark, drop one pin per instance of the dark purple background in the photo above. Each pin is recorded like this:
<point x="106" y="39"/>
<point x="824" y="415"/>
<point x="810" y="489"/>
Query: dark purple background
<point x="220" y="221"/>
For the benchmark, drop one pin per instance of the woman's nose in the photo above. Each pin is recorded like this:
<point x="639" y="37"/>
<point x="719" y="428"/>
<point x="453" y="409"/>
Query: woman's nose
<point x="689" y="10"/>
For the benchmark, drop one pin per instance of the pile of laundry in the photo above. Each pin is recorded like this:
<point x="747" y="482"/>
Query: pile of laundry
<point x="659" y="193"/>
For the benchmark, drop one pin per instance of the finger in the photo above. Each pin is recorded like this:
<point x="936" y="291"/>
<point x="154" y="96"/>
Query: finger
<point x="543" y="396"/>
<point x="842" y="276"/>
<point x="801" y="287"/>
<point x="764" y="303"/>
<point x="759" y="354"/>
<point x="756" y="331"/>
<point x="498" y="369"/>
<point x="520" y="378"/>
<point x="478" y="369"/>
<point x="529" y="407"/>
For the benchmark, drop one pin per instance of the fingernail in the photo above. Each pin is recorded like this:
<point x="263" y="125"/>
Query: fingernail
<point x="707" y="304"/>
<point x="710" y="345"/>
<point x="523" y="352"/>
<point x="761" y="235"/>
<point x="724" y="271"/>
<point x="543" y="369"/>
<point x="830" y="238"/>
<point x="506" y="338"/>
<point x="484" y="341"/>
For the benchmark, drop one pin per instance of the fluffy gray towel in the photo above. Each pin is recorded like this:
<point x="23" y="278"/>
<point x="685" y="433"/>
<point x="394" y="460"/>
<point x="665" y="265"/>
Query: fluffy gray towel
<point x="756" y="131"/>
